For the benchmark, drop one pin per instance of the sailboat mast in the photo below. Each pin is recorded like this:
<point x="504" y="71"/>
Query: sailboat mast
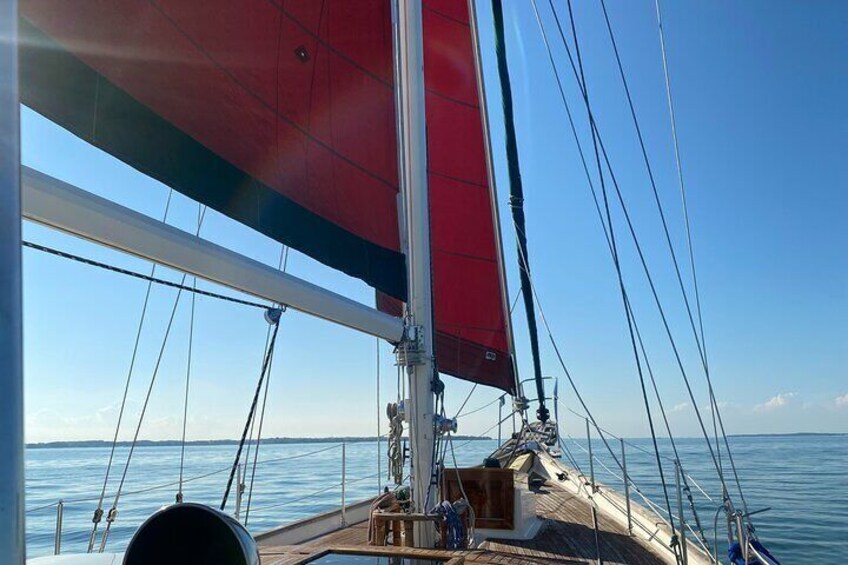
<point x="516" y="202"/>
<point x="412" y="144"/>
<point x="11" y="323"/>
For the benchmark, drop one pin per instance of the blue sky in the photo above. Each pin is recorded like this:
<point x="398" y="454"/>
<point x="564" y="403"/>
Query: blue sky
<point x="760" y="90"/>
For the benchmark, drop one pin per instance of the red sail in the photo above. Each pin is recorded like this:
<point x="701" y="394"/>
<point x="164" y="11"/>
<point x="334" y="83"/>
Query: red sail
<point x="280" y="114"/>
<point x="471" y="326"/>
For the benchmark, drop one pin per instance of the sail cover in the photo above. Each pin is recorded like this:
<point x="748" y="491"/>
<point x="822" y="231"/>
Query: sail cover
<point x="280" y="114"/>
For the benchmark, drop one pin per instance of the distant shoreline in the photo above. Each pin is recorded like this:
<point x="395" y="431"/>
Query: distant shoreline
<point x="353" y="439"/>
<point x="791" y="434"/>
<point x="176" y="442"/>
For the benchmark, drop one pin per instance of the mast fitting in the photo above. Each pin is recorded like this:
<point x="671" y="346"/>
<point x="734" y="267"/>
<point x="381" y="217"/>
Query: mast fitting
<point x="410" y="351"/>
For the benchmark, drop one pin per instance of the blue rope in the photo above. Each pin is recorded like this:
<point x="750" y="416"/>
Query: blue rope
<point x="454" y="526"/>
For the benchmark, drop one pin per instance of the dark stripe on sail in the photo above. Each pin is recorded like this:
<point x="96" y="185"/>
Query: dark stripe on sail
<point x="59" y="86"/>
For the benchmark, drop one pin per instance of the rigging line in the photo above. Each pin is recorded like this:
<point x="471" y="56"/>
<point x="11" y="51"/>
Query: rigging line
<point x="140" y="421"/>
<point x="714" y="408"/>
<point x="516" y="202"/>
<point x="645" y="267"/>
<point x="563" y="447"/>
<point x="320" y="491"/>
<point x="668" y="430"/>
<point x="565" y="370"/>
<point x="602" y="430"/>
<point x="250" y="439"/>
<point x="464" y="402"/>
<point x="114" y="509"/>
<point x="480" y="408"/>
<point x="690" y="245"/>
<point x="98" y="512"/>
<point x="179" y="497"/>
<point x="698" y="341"/>
<point x="564" y="367"/>
<point x="299" y="455"/>
<point x="379" y="420"/>
<point x="573" y="128"/>
<point x="651" y="178"/>
<point x="664" y="319"/>
<point x="588" y="179"/>
<point x="258" y="443"/>
<point x="149" y="278"/>
<point x="651" y="505"/>
<point x="251" y="412"/>
<point x="584" y="89"/>
<point x="191" y="479"/>
<point x="185" y="403"/>
<point x="626" y="302"/>
<point x="282" y="264"/>
<point x="477" y="437"/>
<point x="586" y="171"/>
<point x="253" y="421"/>
<point x="679" y="164"/>
<point x="515" y="302"/>
<point x="472" y="517"/>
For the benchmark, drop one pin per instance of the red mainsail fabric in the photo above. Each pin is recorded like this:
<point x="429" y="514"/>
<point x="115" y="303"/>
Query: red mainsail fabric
<point x="280" y="114"/>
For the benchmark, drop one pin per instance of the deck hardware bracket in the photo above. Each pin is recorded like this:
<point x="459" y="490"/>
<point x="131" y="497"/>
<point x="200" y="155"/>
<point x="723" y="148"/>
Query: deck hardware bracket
<point x="410" y="351"/>
<point x="520" y="404"/>
<point x="445" y="425"/>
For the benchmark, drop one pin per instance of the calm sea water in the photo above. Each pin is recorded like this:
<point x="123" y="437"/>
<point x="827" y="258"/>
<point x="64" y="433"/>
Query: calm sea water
<point x="804" y="479"/>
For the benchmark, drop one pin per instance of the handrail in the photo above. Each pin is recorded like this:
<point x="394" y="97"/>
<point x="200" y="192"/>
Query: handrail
<point x="174" y="483"/>
<point x="601" y="430"/>
<point x="310" y="495"/>
<point x="62" y="503"/>
<point x="655" y="508"/>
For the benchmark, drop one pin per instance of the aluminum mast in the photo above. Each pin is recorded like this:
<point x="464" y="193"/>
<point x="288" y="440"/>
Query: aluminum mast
<point x="12" y="541"/>
<point x="412" y="147"/>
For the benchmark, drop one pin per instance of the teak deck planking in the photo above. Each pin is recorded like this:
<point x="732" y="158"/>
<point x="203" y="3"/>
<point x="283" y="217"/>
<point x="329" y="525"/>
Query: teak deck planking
<point x="566" y="536"/>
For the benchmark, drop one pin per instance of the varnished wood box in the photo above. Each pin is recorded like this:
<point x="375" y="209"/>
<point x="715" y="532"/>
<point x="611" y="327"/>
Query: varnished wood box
<point x="491" y="493"/>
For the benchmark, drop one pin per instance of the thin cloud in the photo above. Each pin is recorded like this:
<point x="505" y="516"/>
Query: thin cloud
<point x="841" y="401"/>
<point x="775" y="402"/>
<point x="722" y="404"/>
<point x="680" y="407"/>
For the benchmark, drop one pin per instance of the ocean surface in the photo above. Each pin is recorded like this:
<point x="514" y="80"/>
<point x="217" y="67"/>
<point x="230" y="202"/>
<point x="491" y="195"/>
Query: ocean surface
<point x="803" y="479"/>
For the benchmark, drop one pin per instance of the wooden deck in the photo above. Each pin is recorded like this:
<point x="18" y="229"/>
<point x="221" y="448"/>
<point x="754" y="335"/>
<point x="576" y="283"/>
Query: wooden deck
<point x="566" y="536"/>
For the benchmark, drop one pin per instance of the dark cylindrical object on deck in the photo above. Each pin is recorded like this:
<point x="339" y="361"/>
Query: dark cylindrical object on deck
<point x="191" y="533"/>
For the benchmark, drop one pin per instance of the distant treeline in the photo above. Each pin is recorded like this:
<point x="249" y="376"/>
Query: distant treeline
<point x="266" y="441"/>
<point x="791" y="434"/>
